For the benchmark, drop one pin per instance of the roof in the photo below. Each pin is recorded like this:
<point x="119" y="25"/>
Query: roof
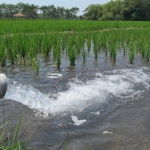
<point x="19" y="15"/>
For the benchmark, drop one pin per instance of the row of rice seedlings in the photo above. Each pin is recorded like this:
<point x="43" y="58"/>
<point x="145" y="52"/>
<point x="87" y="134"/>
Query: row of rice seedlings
<point x="138" y="44"/>
<point x="36" y="26"/>
<point x="27" y="47"/>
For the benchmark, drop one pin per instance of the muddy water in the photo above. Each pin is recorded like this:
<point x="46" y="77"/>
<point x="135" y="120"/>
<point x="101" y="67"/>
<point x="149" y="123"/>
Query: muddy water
<point x="96" y="105"/>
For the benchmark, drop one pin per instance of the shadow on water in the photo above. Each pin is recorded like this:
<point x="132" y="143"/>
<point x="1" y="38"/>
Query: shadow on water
<point x="111" y="102"/>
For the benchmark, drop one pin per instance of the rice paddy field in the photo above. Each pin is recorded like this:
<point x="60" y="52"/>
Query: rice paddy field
<point x="23" y="41"/>
<point x="82" y="84"/>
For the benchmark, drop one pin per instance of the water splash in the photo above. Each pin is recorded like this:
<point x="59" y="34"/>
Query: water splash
<point x="123" y="84"/>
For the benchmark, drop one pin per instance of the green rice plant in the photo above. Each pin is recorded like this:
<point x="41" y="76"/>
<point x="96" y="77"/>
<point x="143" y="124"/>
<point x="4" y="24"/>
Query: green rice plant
<point x="72" y="55"/>
<point x="99" y="42"/>
<point x="140" y="46"/>
<point x="23" y="46"/>
<point x="46" y="44"/>
<point x="3" y="53"/>
<point x="55" y="45"/>
<point x="113" y="49"/>
<point x="95" y="48"/>
<point x="39" y="39"/>
<point x="124" y="46"/>
<point x="58" y="51"/>
<point x="32" y="54"/>
<point x="104" y="36"/>
<point x="89" y="40"/>
<point x="78" y="47"/>
<point x="84" y="55"/>
<point x="95" y="45"/>
<point x="81" y="38"/>
<point x="131" y="52"/>
<point x="147" y="51"/>
<point x="71" y="51"/>
<point x="10" y="49"/>
<point x="63" y="41"/>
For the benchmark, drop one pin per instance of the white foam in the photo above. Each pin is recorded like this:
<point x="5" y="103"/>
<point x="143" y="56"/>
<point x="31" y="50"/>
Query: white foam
<point x="76" y="121"/>
<point x="95" y="113"/>
<point x="54" y="75"/>
<point x="120" y="83"/>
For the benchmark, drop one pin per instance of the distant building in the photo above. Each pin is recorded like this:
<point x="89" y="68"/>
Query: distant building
<point x="18" y="15"/>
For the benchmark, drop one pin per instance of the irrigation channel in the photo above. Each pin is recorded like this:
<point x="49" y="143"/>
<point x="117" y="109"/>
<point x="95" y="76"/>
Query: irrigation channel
<point x="94" y="105"/>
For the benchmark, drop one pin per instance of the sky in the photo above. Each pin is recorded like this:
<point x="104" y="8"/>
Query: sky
<point x="81" y="4"/>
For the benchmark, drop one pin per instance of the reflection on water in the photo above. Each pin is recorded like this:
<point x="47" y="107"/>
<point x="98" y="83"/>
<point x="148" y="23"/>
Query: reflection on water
<point x="82" y="104"/>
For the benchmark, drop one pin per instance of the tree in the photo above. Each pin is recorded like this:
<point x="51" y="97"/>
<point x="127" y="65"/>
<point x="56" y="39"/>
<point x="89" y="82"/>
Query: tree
<point x="119" y="10"/>
<point x="93" y="12"/>
<point x="30" y="11"/>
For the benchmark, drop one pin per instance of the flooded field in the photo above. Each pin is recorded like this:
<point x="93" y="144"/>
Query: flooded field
<point x="95" y="105"/>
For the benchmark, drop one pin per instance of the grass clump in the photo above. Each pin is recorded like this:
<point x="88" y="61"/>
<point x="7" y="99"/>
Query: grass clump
<point x="6" y="143"/>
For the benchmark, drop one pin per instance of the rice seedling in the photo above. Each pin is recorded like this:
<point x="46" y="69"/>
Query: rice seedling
<point x="46" y="44"/>
<point x="58" y="55"/>
<point x="104" y="40"/>
<point x="23" y="47"/>
<point x="147" y="51"/>
<point x="95" y="48"/>
<point x="10" y="49"/>
<point x="39" y="39"/>
<point x="2" y="53"/>
<point x="89" y="40"/>
<point x="113" y="48"/>
<point x="84" y="55"/>
<point x="71" y="51"/>
<point x="32" y="54"/>
<point x="64" y="40"/>
<point x="131" y="52"/>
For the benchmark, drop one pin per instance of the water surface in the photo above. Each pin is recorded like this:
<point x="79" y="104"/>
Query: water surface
<point x="95" y="105"/>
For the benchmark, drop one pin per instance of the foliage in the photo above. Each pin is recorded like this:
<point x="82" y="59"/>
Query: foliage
<point x="22" y="41"/>
<point x="119" y="10"/>
<point x="31" y="11"/>
<point x="6" y="143"/>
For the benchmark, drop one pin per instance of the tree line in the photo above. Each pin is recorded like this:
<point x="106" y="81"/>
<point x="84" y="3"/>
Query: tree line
<point x="113" y="10"/>
<point x="119" y="10"/>
<point x="31" y="11"/>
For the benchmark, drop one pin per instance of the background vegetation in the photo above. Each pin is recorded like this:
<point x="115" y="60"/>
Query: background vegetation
<point x="114" y="10"/>
<point x="119" y="10"/>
